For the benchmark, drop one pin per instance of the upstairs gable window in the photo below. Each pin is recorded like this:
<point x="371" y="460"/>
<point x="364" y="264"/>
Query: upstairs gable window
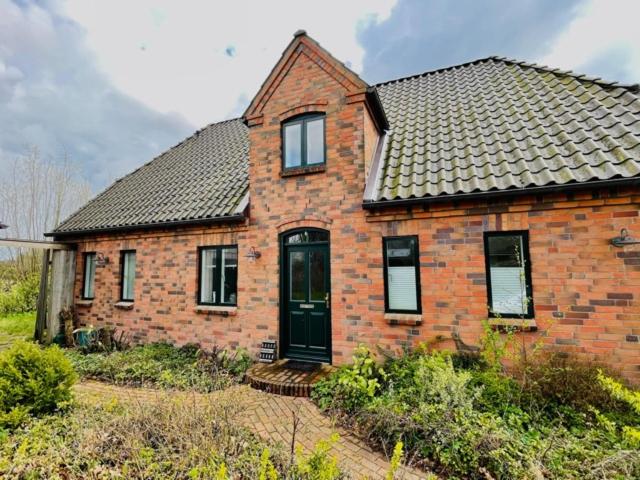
<point x="303" y="141"/>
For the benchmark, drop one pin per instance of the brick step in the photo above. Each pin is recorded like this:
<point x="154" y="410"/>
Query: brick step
<point x="278" y="379"/>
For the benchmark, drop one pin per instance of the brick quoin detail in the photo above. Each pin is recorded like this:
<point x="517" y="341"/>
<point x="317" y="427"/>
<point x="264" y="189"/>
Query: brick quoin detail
<point x="586" y="291"/>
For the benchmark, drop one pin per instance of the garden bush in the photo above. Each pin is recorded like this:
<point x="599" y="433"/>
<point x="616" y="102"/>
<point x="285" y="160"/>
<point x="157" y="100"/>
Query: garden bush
<point x="21" y="296"/>
<point x="166" y="366"/>
<point x="549" y="417"/>
<point x="33" y="381"/>
<point x="175" y="436"/>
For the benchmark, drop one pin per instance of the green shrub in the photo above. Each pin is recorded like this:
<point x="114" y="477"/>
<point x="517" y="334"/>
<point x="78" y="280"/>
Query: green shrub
<point x="22" y="296"/>
<point x="163" y="365"/>
<point x="351" y="386"/>
<point x="551" y="417"/>
<point x="33" y="381"/>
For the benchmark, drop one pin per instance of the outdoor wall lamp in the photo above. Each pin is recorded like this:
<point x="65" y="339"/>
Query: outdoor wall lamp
<point x="623" y="239"/>
<point x="3" y="226"/>
<point x="101" y="260"/>
<point x="253" y="254"/>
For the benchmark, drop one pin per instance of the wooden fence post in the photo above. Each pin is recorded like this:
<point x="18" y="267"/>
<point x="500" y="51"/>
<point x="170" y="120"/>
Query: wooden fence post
<point x="41" y="312"/>
<point x="63" y="272"/>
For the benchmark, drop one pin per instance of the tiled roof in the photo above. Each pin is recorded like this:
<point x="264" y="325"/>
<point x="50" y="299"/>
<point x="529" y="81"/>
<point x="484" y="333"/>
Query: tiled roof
<point x="203" y="178"/>
<point x="498" y="124"/>
<point x="489" y="125"/>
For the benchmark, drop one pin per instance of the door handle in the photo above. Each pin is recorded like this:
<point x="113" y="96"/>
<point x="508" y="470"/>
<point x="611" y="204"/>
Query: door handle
<point x="327" y="299"/>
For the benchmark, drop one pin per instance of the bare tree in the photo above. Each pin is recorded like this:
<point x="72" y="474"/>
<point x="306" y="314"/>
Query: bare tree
<point x="36" y="194"/>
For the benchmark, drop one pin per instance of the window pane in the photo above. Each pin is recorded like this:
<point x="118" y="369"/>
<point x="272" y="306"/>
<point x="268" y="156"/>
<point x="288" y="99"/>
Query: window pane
<point x="229" y="275"/>
<point x="293" y="145"/>
<point x="505" y="251"/>
<point x="207" y="275"/>
<point x="307" y="237"/>
<point x="315" y="141"/>
<point x="508" y="290"/>
<point x="296" y="274"/>
<point x="89" y="275"/>
<point x="129" y="274"/>
<point x="507" y="273"/>
<point x="317" y="289"/>
<point x="401" y="274"/>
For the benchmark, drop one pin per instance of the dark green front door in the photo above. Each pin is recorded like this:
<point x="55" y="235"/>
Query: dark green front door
<point x="306" y="332"/>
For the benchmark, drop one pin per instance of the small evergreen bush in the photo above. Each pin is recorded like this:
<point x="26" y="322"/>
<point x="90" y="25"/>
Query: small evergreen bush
<point x="33" y="381"/>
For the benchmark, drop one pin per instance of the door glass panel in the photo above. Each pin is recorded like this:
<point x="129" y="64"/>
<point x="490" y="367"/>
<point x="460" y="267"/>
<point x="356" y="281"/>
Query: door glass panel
<point x="293" y="145"/>
<point x="307" y="236"/>
<point x="315" y="141"/>
<point x="296" y="276"/>
<point x="317" y="288"/>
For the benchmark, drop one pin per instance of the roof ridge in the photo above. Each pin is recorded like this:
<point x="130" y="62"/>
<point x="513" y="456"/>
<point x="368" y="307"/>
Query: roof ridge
<point x="635" y="87"/>
<point x="578" y="76"/>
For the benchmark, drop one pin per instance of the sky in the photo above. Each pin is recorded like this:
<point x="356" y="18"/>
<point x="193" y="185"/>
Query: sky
<point x="111" y="84"/>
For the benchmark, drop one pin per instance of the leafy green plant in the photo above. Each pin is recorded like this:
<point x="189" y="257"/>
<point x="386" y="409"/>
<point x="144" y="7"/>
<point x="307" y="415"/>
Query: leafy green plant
<point x="481" y="420"/>
<point x="33" y="381"/>
<point x="352" y="385"/>
<point x="319" y="464"/>
<point x="396" y="458"/>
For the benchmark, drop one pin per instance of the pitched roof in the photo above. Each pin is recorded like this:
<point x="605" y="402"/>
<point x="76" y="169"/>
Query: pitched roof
<point x="489" y="125"/>
<point x="204" y="178"/>
<point x="499" y="124"/>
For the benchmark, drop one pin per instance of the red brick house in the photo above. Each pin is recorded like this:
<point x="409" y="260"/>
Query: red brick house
<point x="335" y="212"/>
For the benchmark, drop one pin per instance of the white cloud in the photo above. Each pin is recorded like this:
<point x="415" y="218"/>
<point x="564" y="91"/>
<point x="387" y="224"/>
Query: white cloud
<point x="602" y="28"/>
<point x="172" y="55"/>
<point x="53" y="96"/>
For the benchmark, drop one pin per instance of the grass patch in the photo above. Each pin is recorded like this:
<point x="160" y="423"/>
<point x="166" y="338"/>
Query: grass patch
<point x="165" y="366"/>
<point x="16" y="326"/>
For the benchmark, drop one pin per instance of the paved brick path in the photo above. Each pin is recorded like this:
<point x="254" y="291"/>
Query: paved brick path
<point x="271" y="417"/>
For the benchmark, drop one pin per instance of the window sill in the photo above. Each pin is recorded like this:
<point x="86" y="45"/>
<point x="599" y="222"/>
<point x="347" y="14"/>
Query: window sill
<point x="124" y="305"/>
<point x="217" y="310"/>
<point x="513" y="324"/>
<point x="84" y="303"/>
<point x="403" y="319"/>
<point x="292" y="172"/>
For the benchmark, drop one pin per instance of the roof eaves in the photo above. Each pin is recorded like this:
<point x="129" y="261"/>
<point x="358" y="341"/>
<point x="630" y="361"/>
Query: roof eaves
<point x="544" y="189"/>
<point x="235" y="218"/>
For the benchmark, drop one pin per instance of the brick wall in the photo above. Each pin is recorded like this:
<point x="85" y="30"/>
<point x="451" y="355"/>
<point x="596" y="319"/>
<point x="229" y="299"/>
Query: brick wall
<point x="586" y="292"/>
